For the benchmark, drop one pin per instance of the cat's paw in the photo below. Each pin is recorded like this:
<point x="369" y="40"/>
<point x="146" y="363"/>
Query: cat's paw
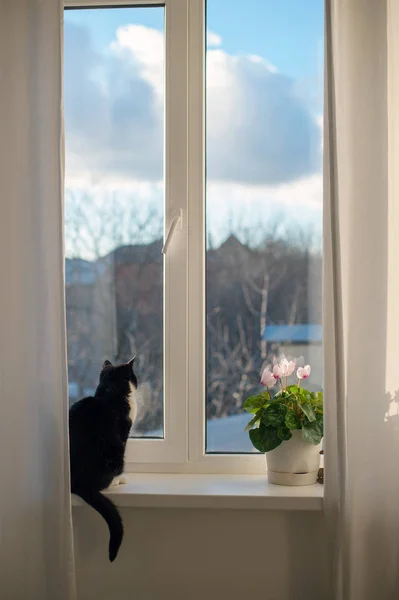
<point x="115" y="481"/>
<point x="119" y="480"/>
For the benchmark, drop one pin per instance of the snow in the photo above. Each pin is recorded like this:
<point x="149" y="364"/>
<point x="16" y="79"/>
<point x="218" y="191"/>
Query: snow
<point x="228" y="434"/>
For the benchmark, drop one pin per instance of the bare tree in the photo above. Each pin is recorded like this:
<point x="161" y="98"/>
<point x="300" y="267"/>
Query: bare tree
<point x="115" y="304"/>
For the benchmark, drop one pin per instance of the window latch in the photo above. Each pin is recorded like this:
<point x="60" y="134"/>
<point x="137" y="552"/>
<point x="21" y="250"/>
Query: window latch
<point x="176" y="223"/>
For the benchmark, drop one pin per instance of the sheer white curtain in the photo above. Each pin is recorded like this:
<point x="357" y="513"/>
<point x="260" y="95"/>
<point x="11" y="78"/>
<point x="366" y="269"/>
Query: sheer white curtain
<point x="36" y="560"/>
<point x="362" y="296"/>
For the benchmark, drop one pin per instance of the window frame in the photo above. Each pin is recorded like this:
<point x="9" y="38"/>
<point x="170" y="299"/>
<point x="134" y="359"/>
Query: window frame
<point x="182" y="450"/>
<point x="172" y="448"/>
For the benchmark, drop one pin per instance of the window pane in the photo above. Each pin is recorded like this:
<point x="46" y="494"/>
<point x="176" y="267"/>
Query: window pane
<point x="114" y="199"/>
<point x="264" y="78"/>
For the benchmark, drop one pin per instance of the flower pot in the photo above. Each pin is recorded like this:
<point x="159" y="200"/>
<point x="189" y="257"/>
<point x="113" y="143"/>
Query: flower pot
<point x="294" y="462"/>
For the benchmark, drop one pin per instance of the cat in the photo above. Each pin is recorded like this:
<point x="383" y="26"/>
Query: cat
<point x="99" y="427"/>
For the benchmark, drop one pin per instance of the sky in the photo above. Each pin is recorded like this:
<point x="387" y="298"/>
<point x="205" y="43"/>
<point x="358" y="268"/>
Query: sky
<point x="264" y="118"/>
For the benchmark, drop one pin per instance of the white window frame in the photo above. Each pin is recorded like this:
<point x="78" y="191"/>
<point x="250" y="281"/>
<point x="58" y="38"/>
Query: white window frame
<point x="182" y="450"/>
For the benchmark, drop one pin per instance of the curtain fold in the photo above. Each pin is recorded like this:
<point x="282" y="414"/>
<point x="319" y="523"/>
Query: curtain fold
<point x="361" y="296"/>
<point x="36" y="557"/>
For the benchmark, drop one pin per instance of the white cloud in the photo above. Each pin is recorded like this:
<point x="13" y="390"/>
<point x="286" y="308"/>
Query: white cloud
<point x="146" y="48"/>
<point x="259" y="131"/>
<point x="262" y="61"/>
<point x="250" y="211"/>
<point x="235" y="206"/>
<point x="320" y="123"/>
<point x="132" y="210"/>
<point x="213" y="39"/>
<point x="306" y="192"/>
<point x="113" y="117"/>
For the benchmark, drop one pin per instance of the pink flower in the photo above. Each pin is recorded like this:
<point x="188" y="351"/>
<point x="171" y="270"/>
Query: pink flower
<point x="284" y="368"/>
<point x="290" y="367"/>
<point x="303" y="372"/>
<point x="278" y="371"/>
<point x="268" y="379"/>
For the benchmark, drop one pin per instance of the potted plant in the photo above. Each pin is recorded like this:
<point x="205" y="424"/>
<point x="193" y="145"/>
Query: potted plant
<point x="287" y="425"/>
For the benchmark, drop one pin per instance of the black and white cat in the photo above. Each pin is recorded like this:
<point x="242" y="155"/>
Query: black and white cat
<point x="99" y="427"/>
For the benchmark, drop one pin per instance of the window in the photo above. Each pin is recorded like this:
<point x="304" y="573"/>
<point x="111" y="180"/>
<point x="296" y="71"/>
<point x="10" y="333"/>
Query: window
<point x="114" y="118"/>
<point x="264" y="194"/>
<point x="212" y="124"/>
<point x="125" y="82"/>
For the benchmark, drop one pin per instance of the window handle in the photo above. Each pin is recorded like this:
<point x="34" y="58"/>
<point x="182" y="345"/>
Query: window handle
<point x="176" y="222"/>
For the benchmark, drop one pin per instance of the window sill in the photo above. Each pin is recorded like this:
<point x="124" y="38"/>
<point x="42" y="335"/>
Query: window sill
<point x="156" y="490"/>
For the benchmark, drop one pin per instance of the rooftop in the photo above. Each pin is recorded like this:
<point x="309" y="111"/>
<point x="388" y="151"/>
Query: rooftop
<point x="293" y="333"/>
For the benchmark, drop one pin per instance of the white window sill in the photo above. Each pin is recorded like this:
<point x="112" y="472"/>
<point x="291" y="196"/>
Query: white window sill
<point x="155" y="490"/>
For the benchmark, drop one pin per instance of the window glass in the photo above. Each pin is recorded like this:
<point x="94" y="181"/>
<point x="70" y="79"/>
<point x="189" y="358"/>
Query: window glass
<point x="264" y="95"/>
<point x="114" y="199"/>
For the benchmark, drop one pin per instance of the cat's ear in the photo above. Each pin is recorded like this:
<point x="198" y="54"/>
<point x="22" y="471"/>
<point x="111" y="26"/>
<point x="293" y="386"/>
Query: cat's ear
<point x="107" y="363"/>
<point x="130" y="363"/>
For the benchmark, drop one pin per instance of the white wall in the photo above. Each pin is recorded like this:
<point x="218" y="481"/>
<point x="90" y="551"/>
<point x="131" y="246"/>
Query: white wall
<point x="190" y="554"/>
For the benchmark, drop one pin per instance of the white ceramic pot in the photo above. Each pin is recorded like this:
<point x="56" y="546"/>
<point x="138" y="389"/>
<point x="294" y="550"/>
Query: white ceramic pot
<point x="294" y="462"/>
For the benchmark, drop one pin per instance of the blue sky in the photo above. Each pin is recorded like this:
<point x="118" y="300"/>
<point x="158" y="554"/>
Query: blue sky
<point x="264" y="126"/>
<point x="279" y="30"/>
<point x="104" y="22"/>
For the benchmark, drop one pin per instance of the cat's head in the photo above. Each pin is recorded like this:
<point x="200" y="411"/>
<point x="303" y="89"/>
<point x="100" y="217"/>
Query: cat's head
<point x="118" y="377"/>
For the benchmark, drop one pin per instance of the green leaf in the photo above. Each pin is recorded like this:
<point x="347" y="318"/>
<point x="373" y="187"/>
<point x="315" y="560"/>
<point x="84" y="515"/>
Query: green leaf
<point x="284" y="433"/>
<point x="280" y="393"/>
<point x="254" y="403"/>
<point x="280" y="399"/>
<point x="320" y="422"/>
<point x="317" y="400"/>
<point x="283" y="394"/>
<point x="307" y="409"/>
<point x="254" y="420"/>
<point x="274" y="414"/>
<point x="294" y="389"/>
<point x="264" y="438"/>
<point x="292" y="421"/>
<point x="313" y="432"/>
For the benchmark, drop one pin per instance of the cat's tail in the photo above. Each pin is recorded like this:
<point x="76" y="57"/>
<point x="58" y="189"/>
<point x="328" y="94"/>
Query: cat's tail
<point x="110" y="514"/>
